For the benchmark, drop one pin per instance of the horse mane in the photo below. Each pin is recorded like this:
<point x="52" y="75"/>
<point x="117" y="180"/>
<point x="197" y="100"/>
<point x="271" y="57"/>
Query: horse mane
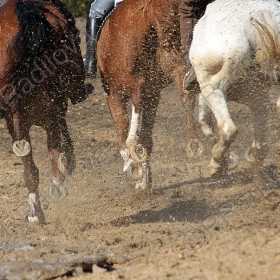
<point x="35" y="32"/>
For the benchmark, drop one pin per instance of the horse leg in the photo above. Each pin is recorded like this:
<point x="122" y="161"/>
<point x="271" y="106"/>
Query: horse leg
<point x="66" y="160"/>
<point x="188" y="100"/>
<point x="133" y="154"/>
<point x="54" y="148"/>
<point x="227" y="129"/>
<point x="194" y="146"/>
<point x="150" y="105"/>
<point x="204" y="118"/>
<point x="20" y="133"/>
<point x="21" y="147"/>
<point x="117" y="106"/>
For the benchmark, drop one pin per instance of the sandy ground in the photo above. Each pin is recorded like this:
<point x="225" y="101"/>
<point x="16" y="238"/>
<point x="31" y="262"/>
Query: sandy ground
<point x="188" y="226"/>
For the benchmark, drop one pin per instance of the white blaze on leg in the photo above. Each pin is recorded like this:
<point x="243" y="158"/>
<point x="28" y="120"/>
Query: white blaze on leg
<point x="33" y="200"/>
<point x="132" y="135"/>
<point x="126" y="158"/>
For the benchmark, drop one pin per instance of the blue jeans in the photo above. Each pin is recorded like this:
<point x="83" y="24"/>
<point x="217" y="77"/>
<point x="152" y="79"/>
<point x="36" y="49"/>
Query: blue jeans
<point x="99" y="8"/>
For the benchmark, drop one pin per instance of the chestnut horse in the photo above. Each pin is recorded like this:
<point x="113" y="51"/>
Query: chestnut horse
<point x="41" y="67"/>
<point x="138" y="55"/>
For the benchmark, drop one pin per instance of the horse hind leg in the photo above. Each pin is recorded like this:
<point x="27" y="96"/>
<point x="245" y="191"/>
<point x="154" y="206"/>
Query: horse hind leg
<point x="58" y="166"/>
<point x="188" y="100"/>
<point x="227" y="130"/>
<point x="205" y="119"/>
<point x="66" y="160"/>
<point x="117" y="107"/>
<point x="31" y="172"/>
<point x="31" y="178"/>
<point x="150" y="105"/>
<point x="136" y="159"/>
<point x="21" y="147"/>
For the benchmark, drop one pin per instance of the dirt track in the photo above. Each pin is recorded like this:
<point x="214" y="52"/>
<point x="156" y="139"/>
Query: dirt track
<point x="188" y="226"/>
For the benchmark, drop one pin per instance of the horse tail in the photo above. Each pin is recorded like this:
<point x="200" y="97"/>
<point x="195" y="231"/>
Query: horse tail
<point x="265" y="40"/>
<point x="35" y="33"/>
<point x="69" y="17"/>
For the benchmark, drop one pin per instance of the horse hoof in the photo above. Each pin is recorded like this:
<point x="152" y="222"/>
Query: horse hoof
<point x="213" y="171"/>
<point x="248" y="156"/>
<point x="21" y="148"/>
<point x="216" y="169"/>
<point x="131" y="141"/>
<point x="33" y="219"/>
<point x="135" y="171"/>
<point x="217" y="173"/>
<point x="138" y="153"/>
<point x="36" y="219"/>
<point x="233" y="161"/>
<point x="61" y="165"/>
<point x="194" y="148"/>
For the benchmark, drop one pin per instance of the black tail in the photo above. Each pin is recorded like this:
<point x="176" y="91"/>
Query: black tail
<point x="32" y="40"/>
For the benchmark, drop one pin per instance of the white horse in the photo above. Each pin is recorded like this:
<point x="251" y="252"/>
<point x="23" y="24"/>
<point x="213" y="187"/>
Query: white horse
<point x="235" y="53"/>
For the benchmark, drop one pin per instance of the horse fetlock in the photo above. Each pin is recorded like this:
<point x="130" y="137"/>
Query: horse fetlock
<point x="131" y="141"/>
<point x="135" y="170"/>
<point x="21" y="148"/>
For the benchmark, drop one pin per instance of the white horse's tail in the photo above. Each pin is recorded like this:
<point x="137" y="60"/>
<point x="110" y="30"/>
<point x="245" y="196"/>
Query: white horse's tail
<point x="266" y="42"/>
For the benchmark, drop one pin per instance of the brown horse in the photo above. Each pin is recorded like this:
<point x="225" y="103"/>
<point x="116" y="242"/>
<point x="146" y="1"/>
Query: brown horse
<point x="138" y="55"/>
<point x="41" y="67"/>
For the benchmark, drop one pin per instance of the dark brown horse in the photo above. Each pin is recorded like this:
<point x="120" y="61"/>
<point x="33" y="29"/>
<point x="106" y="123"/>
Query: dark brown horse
<point x="138" y="55"/>
<point x="41" y="67"/>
